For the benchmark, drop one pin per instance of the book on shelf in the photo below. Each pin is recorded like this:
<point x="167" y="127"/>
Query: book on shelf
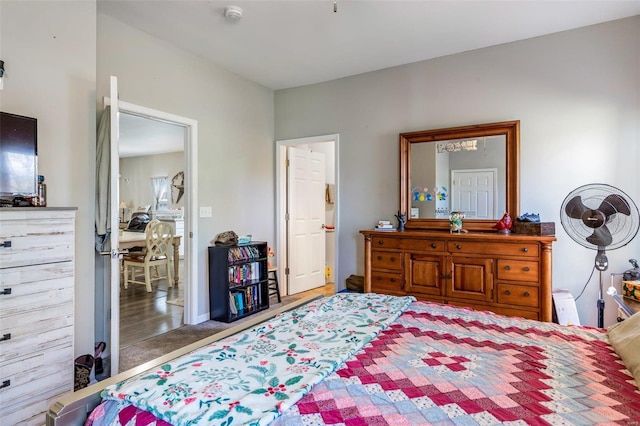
<point x="242" y="254"/>
<point x="233" y="308"/>
<point x="240" y="274"/>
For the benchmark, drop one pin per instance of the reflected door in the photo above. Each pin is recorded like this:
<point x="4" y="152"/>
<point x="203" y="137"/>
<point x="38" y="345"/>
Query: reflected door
<point x="474" y="193"/>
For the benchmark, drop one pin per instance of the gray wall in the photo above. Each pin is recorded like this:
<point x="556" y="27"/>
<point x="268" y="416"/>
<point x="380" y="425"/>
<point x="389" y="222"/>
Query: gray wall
<point x="576" y="94"/>
<point x="49" y="49"/>
<point x="136" y="174"/>
<point x="235" y="128"/>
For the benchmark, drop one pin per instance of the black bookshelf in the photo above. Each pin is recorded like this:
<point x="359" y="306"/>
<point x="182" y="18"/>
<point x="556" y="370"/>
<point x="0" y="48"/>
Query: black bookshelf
<point x="238" y="281"/>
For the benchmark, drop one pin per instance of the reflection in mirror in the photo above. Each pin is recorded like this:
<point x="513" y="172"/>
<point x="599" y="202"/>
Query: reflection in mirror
<point x="467" y="175"/>
<point x="474" y="169"/>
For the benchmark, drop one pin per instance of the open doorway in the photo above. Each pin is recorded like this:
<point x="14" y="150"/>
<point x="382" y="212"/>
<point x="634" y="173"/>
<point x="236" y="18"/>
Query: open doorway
<point x="152" y="164"/>
<point x="190" y="288"/>
<point x="288" y="247"/>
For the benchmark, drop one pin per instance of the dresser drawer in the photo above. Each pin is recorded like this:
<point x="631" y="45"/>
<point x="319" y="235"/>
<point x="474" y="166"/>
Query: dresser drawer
<point x="426" y="245"/>
<point x="518" y="270"/>
<point x="502" y="249"/>
<point x="36" y="241"/>
<point x="35" y="331"/>
<point x="386" y="260"/>
<point x="384" y="282"/>
<point x="385" y="243"/>
<point x="521" y="295"/>
<point x="29" y="376"/>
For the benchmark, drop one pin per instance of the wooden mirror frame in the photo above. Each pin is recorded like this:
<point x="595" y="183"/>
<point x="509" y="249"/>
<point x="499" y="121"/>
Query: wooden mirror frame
<point x="510" y="129"/>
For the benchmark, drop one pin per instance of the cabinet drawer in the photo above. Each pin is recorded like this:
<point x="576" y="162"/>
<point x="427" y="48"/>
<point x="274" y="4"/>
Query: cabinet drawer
<point x="518" y="270"/>
<point x="501" y="249"/>
<point x="383" y="282"/>
<point x="520" y="295"/>
<point x="386" y="260"/>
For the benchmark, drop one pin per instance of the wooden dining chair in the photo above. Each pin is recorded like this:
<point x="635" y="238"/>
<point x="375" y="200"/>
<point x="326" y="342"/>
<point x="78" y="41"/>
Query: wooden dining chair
<point x="157" y="252"/>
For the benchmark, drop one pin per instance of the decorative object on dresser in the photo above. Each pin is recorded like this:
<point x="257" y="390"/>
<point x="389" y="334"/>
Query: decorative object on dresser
<point x="238" y="281"/>
<point x="506" y="274"/>
<point x="504" y="225"/>
<point x="36" y="311"/>
<point x="600" y="217"/>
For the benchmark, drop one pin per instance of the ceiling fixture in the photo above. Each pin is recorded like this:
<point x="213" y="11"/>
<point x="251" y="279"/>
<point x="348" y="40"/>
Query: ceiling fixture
<point x="233" y="13"/>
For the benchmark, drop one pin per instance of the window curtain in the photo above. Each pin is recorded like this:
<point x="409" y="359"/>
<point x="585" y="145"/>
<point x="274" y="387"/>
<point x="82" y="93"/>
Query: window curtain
<point x="159" y="187"/>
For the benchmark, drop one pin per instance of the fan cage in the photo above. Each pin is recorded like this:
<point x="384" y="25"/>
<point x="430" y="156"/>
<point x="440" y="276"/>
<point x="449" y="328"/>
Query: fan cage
<point x="623" y="228"/>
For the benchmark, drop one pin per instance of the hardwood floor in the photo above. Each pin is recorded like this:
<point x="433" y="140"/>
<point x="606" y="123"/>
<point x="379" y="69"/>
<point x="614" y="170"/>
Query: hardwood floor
<point x="144" y="315"/>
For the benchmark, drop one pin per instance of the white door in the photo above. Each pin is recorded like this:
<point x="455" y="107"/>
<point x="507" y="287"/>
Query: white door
<point x="115" y="240"/>
<point x="306" y="212"/>
<point x="473" y="192"/>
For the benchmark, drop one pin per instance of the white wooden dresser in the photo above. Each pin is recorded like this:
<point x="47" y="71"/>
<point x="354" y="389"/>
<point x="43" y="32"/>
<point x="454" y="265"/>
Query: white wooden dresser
<point x="37" y="268"/>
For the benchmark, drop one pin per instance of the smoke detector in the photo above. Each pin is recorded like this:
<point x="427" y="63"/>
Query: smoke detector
<point x="233" y="13"/>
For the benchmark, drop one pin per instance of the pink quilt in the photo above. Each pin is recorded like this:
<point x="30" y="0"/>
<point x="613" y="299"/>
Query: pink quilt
<point x="438" y="364"/>
<point x="444" y="365"/>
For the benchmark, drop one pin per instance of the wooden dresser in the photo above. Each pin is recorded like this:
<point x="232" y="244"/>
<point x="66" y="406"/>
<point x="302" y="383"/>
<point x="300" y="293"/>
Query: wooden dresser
<point x="37" y="250"/>
<point x="506" y="274"/>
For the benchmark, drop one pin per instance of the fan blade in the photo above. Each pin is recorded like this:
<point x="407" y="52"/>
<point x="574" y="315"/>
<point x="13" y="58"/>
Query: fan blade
<point x="613" y="204"/>
<point x="574" y="208"/>
<point x="601" y="237"/>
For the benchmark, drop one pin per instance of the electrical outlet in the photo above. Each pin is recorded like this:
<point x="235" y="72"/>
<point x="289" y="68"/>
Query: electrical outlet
<point x="205" y="211"/>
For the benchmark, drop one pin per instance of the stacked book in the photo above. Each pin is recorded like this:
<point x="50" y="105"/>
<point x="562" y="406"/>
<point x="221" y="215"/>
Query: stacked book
<point x="385" y="225"/>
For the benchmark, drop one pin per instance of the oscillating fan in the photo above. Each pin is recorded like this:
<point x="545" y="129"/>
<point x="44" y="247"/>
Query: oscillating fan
<point x="600" y="217"/>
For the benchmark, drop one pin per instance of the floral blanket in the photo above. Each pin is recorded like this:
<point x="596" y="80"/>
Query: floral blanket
<point x="252" y="377"/>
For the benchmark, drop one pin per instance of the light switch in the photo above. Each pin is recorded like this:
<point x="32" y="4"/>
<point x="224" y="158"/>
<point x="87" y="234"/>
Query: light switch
<point x="205" y="211"/>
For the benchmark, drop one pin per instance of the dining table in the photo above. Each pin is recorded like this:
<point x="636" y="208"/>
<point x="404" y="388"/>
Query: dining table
<point x="129" y="239"/>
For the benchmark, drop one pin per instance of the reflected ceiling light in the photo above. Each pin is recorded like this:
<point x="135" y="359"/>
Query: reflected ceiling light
<point x="457" y="146"/>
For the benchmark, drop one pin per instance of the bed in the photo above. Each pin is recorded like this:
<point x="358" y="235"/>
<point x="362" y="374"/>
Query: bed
<point x="356" y="359"/>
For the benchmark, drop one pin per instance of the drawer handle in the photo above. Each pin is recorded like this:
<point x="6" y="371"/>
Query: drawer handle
<point x="526" y="269"/>
<point x="380" y="242"/>
<point x="6" y="291"/>
<point x="6" y="336"/>
<point x="379" y="257"/>
<point x="526" y="294"/>
<point x="6" y="244"/>
<point x="507" y="268"/>
<point x="393" y="259"/>
<point x="458" y="246"/>
<point x="524" y="249"/>
<point x="507" y="292"/>
<point x="5" y="384"/>
<point x="433" y="245"/>
<point x="379" y="278"/>
<point x="393" y="280"/>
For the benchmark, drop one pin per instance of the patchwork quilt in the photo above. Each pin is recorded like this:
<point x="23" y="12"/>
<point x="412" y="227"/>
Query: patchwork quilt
<point x="356" y="359"/>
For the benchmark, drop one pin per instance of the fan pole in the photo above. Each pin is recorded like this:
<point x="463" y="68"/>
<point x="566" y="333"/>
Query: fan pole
<point x="600" y="305"/>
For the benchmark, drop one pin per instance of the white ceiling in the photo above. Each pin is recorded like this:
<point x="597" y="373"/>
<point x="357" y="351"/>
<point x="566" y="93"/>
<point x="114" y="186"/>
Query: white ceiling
<point x="282" y="44"/>
<point x="144" y="136"/>
<point x="290" y="43"/>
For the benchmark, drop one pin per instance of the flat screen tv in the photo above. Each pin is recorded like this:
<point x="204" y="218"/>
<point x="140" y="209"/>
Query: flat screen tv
<point x="18" y="155"/>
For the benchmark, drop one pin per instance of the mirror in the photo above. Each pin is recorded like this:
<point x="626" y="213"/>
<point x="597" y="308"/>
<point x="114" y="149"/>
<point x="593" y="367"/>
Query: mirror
<point x="474" y="169"/>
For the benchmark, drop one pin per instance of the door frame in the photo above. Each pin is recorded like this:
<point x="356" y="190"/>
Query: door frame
<point x="281" y="201"/>
<point x="191" y="199"/>
<point x="191" y="223"/>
